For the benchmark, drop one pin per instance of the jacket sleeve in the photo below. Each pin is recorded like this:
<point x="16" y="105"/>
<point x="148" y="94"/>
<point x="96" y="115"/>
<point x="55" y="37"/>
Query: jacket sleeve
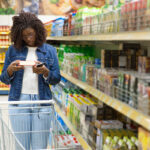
<point x="5" y="78"/>
<point x="54" y="71"/>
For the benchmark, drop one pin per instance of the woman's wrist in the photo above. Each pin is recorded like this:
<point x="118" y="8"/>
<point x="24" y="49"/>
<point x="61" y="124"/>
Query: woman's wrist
<point x="46" y="72"/>
<point x="10" y="72"/>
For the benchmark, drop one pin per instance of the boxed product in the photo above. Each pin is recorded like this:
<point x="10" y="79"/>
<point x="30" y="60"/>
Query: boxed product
<point x="27" y="63"/>
<point x="144" y="139"/>
<point x="143" y="64"/>
<point x="108" y="124"/>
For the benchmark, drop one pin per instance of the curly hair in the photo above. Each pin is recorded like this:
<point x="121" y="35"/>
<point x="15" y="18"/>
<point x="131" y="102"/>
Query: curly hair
<point x="23" y="21"/>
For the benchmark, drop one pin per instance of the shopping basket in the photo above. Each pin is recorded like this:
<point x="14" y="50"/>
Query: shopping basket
<point x="32" y="125"/>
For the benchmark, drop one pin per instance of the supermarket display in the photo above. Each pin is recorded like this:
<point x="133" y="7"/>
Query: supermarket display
<point x="64" y="138"/>
<point x="114" y="16"/>
<point x="119" y="77"/>
<point x="4" y="44"/>
<point x="144" y="139"/>
<point x="90" y="118"/>
<point x="7" y="11"/>
<point x="5" y="28"/>
<point x="120" y="74"/>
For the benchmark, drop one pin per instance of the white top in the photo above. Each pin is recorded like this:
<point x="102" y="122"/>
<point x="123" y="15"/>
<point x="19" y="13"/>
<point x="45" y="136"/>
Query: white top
<point x="30" y="79"/>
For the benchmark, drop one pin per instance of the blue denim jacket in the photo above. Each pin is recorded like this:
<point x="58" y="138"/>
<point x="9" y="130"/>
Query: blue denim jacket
<point x="45" y="53"/>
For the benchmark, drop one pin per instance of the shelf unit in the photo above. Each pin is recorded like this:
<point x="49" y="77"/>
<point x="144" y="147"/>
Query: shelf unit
<point x="123" y="36"/>
<point x="135" y="36"/>
<point x="4" y="33"/>
<point x="4" y="91"/>
<point x="121" y="107"/>
<point x="5" y="46"/>
<point x="70" y="126"/>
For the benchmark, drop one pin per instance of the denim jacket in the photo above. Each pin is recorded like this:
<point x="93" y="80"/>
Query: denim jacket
<point x="45" y="53"/>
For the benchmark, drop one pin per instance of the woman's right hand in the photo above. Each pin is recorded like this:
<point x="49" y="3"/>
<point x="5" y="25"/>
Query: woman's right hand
<point x="13" y="67"/>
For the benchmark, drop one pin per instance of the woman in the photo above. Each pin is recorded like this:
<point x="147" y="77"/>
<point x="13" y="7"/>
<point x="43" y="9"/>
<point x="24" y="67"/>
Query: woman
<point x="30" y="83"/>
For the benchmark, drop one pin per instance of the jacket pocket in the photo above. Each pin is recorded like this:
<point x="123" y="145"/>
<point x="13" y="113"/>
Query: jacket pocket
<point x="47" y="61"/>
<point x="13" y="58"/>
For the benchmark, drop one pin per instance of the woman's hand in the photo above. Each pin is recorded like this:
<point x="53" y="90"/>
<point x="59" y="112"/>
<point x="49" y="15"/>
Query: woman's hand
<point x="14" y="66"/>
<point x="40" y="70"/>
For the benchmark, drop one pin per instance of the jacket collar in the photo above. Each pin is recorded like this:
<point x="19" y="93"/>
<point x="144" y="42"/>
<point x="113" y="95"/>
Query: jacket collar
<point x="40" y="48"/>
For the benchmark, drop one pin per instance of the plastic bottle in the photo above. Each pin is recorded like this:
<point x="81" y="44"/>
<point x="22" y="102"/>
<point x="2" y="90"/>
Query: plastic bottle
<point x="135" y="141"/>
<point x="122" y="145"/>
<point x="131" y="145"/>
<point x="114" y="145"/>
<point x="107" y="144"/>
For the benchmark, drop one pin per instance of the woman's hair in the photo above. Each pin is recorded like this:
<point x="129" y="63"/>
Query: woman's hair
<point x="23" y="21"/>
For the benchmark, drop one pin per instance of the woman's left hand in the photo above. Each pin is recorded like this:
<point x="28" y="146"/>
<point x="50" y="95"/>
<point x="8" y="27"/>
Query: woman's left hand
<point x="41" y="70"/>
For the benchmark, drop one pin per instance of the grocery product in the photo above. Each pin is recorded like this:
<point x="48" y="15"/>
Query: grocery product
<point x="114" y="73"/>
<point x="144" y="139"/>
<point x="106" y="17"/>
<point x="27" y="63"/>
<point x="111" y="136"/>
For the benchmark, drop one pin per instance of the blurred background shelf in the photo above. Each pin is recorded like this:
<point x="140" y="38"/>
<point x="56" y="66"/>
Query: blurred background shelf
<point x="4" y="91"/>
<point x="122" y="36"/>
<point x="4" y="46"/>
<point x="4" y="33"/>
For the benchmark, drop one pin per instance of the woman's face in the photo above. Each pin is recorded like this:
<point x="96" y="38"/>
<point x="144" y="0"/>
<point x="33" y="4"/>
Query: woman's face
<point x="29" y="36"/>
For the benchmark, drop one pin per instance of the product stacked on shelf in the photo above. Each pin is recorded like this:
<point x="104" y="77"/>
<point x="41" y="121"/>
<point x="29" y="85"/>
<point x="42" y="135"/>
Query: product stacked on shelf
<point x="4" y="44"/>
<point x="3" y="86"/>
<point x="113" y="136"/>
<point x="2" y="56"/>
<point x="119" y="74"/>
<point x="95" y="121"/>
<point x="144" y="139"/>
<point x="114" y="16"/>
<point x="5" y="29"/>
<point x="4" y="40"/>
<point x="6" y="11"/>
<point x="4" y="36"/>
<point x="64" y="138"/>
<point x="48" y="27"/>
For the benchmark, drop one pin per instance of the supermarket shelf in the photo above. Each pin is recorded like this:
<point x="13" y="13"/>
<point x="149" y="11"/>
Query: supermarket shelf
<point x="122" y="36"/>
<point x="4" y="91"/>
<point x="4" y="33"/>
<point x="70" y="126"/>
<point x="121" y="107"/>
<point x="4" y="46"/>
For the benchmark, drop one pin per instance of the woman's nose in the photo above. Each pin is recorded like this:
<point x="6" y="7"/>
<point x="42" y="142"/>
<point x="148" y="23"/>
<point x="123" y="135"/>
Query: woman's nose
<point x="29" y="38"/>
